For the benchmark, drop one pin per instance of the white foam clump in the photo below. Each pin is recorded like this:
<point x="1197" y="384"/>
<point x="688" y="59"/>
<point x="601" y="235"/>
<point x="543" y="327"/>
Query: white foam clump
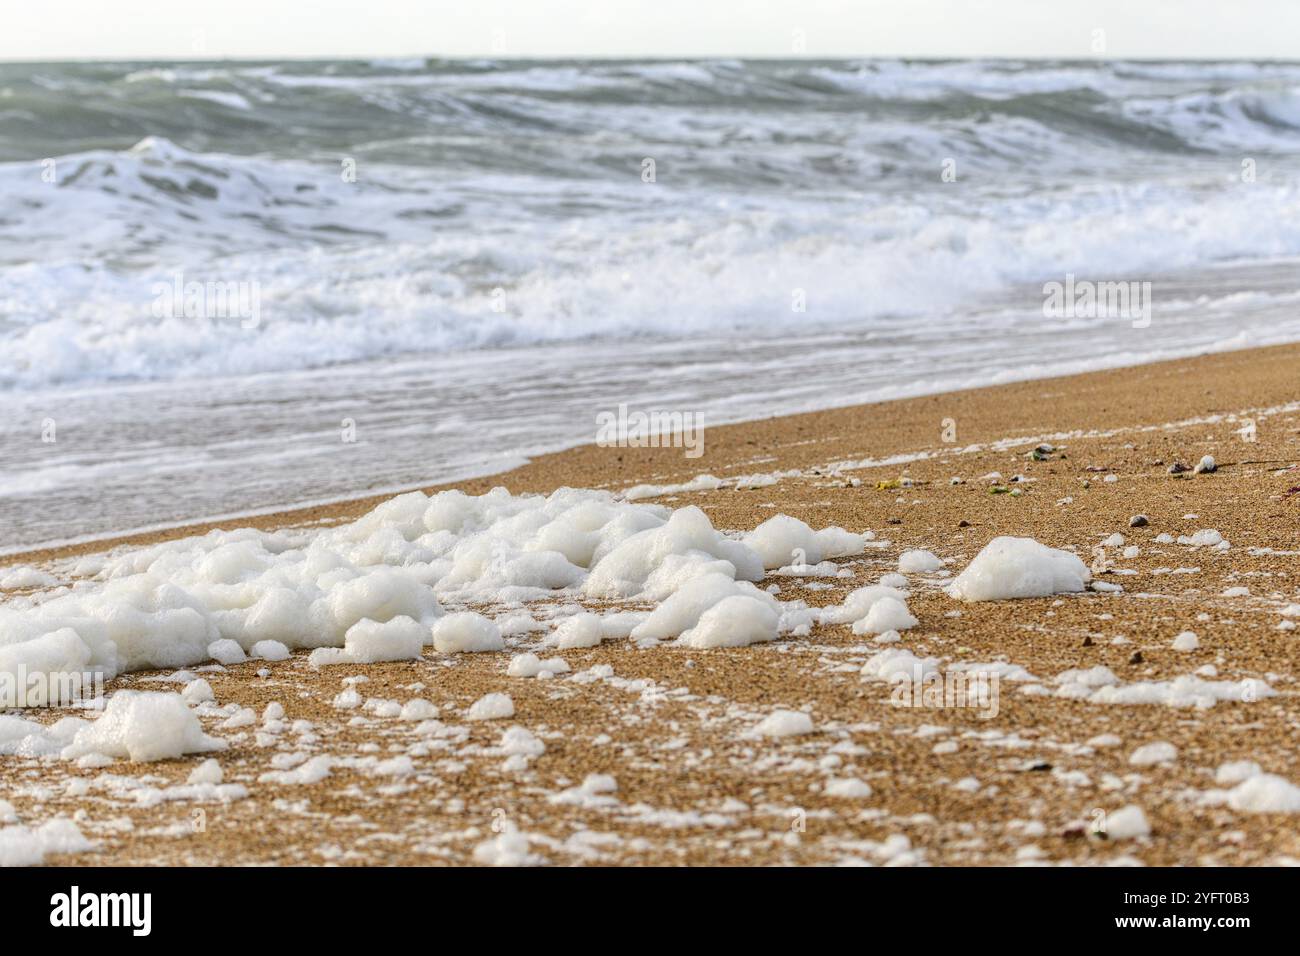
<point x="143" y="726"/>
<point x="698" y="483"/>
<point x="898" y="664"/>
<point x="1235" y="771"/>
<point x="918" y="561"/>
<point x="874" y="609"/>
<point x="782" y="540"/>
<point x="266" y="594"/>
<point x="887" y="614"/>
<point x="1127" y="823"/>
<point x="735" y="621"/>
<point x="530" y="665"/>
<point x="848" y="787"/>
<point x="23" y="846"/>
<point x="369" y="642"/>
<point x="209" y="772"/>
<point x="1186" y="641"/>
<point x="226" y="651"/>
<point x="466" y="632"/>
<point x="26" y="576"/>
<point x="1265" y="793"/>
<point x="521" y="742"/>
<point x="491" y="707"/>
<point x="1100" y="685"/>
<point x="313" y="770"/>
<point x="624" y="569"/>
<point x="784" y="723"/>
<point x="580" y="630"/>
<point x="197" y="691"/>
<point x="1019" y="568"/>
<point x="417" y="708"/>
<point x="1154" y="753"/>
<point x="859" y="602"/>
<point x="683" y="609"/>
<point x="270" y="651"/>
<point x="1255" y="791"/>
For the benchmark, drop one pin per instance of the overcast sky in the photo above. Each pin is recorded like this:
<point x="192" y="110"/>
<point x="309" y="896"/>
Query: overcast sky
<point x="183" y="29"/>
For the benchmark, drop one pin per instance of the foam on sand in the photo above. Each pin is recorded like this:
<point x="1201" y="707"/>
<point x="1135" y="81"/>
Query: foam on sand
<point x="1255" y="791"/>
<point x="784" y="723"/>
<point x="848" y="787"/>
<point x="530" y="665"/>
<point x="1127" y="823"/>
<point x="23" y="846"/>
<point x="910" y="562"/>
<point x="1100" y="685"/>
<point x="782" y="540"/>
<point x="143" y="726"/>
<point x="887" y="614"/>
<point x="580" y="630"/>
<point x="683" y="610"/>
<point x="874" y="609"/>
<point x="1154" y="753"/>
<point x="491" y="707"/>
<point x="734" y="621"/>
<point x="858" y="604"/>
<point x="466" y="631"/>
<point x="368" y="642"/>
<point x="1019" y="568"/>
<point x="1265" y="793"/>
<point x="375" y="589"/>
<point x="899" y="664"/>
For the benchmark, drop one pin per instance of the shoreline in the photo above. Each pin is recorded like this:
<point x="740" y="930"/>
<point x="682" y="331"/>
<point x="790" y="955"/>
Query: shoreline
<point x="651" y="754"/>
<point x="532" y="473"/>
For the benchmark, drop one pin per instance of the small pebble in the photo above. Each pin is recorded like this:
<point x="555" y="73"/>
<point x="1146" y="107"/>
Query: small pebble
<point x="1138" y="521"/>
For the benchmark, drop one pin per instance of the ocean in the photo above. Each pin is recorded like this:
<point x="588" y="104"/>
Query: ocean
<point x="233" y="287"/>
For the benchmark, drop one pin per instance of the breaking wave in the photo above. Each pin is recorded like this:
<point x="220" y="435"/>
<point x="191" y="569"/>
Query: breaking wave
<point x="507" y="203"/>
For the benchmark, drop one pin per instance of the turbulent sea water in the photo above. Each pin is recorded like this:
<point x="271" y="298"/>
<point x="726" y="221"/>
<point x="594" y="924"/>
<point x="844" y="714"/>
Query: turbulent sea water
<point x="500" y="271"/>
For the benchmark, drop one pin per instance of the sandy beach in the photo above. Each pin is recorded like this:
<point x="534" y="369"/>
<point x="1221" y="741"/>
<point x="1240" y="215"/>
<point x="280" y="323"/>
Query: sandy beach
<point x="654" y="753"/>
